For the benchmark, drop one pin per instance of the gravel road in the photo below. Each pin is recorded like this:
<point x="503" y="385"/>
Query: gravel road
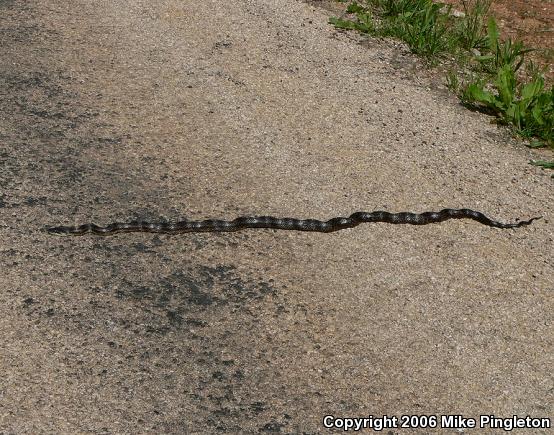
<point x="120" y="110"/>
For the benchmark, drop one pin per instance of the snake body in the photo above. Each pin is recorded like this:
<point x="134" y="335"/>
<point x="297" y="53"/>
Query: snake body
<point x="242" y="223"/>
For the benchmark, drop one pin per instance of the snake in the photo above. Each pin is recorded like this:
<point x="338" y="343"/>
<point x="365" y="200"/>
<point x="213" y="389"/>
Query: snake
<point x="314" y="225"/>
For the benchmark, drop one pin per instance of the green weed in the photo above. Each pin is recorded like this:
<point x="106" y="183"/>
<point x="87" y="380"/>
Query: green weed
<point x="427" y="27"/>
<point x="364" y="20"/>
<point x="431" y="31"/>
<point x="528" y="107"/>
<point x="426" y="30"/>
<point x="544" y="164"/>
<point x="501" y="53"/>
<point x="470" y="28"/>
<point x="452" y="81"/>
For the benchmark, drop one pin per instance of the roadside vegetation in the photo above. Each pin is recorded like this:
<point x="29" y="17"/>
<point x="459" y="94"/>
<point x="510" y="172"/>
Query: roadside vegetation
<point x="488" y="74"/>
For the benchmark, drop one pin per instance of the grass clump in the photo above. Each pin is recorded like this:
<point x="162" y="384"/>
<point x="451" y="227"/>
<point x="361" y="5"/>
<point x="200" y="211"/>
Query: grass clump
<point x="501" y="54"/>
<point x="427" y="27"/>
<point x="527" y="107"/>
<point x="470" y="29"/>
<point x="488" y="70"/>
<point x="418" y="22"/>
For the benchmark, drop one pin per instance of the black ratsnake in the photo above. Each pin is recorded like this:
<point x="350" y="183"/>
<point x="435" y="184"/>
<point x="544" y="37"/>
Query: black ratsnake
<point x="242" y="223"/>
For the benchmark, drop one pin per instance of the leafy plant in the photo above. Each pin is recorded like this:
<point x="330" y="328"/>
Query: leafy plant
<point x="527" y="106"/>
<point x="341" y="23"/>
<point x="363" y="23"/>
<point x="425" y="30"/>
<point x="405" y="8"/>
<point x="544" y="164"/>
<point x="452" y="81"/>
<point x="431" y="31"/>
<point x="470" y="28"/>
<point x="421" y="23"/>
<point x="502" y="53"/>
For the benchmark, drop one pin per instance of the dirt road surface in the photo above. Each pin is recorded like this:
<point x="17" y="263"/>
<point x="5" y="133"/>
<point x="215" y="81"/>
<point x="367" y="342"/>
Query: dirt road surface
<point x="114" y="110"/>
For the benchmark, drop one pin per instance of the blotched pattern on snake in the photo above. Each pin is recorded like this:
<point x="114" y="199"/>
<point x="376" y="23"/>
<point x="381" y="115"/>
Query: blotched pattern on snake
<point x="243" y="223"/>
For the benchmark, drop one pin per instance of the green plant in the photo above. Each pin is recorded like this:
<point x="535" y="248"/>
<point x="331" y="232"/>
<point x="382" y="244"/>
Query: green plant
<point x="431" y="31"/>
<point x="452" y="81"/>
<point x="470" y="28"/>
<point x="527" y="106"/>
<point x="395" y="8"/>
<point x="544" y="164"/>
<point x="501" y="53"/>
<point x="363" y="23"/>
<point x="421" y="23"/>
<point x="425" y="29"/>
